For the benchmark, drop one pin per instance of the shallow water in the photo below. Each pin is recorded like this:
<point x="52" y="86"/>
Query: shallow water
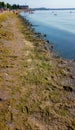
<point x="60" y="29"/>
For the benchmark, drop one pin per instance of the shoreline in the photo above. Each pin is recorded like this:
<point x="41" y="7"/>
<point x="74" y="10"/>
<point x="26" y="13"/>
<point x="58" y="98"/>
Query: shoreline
<point x="64" y="39"/>
<point x="37" y="90"/>
<point x="49" y="45"/>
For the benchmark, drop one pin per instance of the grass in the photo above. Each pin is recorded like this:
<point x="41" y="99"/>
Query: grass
<point x="2" y="18"/>
<point x="44" y="72"/>
<point x="34" y="87"/>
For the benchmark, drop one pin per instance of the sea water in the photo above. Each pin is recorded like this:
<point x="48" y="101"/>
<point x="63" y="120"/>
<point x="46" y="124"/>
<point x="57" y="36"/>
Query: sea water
<point x="59" y="27"/>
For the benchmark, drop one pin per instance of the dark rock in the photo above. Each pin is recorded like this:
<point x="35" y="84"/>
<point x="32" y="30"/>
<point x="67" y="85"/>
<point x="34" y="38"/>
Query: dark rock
<point x="27" y="109"/>
<point x="1" y="26"/>
<point x="11" y="116"/>
<point x="6" y="66"/>
<point x="45" y="35"/>
<point x="71" y="76"/>
<point x="52" y="77"/>
<point x="46" y="78"/>
<point x="69" y="128"/>
<point x="17" y="129"/>
<point x="1" y="99"/>
<point x="47" y="41"/>
<point x="68" y="88"/>
<point x="51" y="47"/>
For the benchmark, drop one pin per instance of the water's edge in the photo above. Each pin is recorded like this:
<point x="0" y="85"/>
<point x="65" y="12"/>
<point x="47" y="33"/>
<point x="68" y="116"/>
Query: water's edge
<point x="49" y="45"/>
<point x="63" y="41"/>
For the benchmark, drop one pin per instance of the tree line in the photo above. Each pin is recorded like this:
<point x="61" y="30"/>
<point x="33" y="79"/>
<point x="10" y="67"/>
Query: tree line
<point x="9" y="6"/>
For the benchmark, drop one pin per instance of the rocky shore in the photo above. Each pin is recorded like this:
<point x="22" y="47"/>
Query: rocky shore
<point x="37" y="88"/>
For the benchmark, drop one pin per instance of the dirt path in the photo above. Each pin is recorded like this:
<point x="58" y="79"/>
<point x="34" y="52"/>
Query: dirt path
<point x="12" y="43"/>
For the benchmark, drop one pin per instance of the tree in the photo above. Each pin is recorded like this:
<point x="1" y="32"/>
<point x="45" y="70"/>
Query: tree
<point x="2" y="4"/>
<point x="14" y="6"/>
<point x="8" y="6"/>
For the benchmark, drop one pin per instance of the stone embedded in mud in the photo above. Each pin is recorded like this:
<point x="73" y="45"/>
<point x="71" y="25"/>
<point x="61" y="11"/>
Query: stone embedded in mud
<point x="16" y="129"/>
<point x="68" y="88"/>
<point x="27" y="109"/>
<point x="69" y="128"/>
<point x="1" y="99"/>
<point x="1" y="25"/>
<point x="47" y="41"/>
<point x="71" y="76"/>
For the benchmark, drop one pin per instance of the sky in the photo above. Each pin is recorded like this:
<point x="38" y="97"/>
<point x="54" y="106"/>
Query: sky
<point x="44" y="3"/>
